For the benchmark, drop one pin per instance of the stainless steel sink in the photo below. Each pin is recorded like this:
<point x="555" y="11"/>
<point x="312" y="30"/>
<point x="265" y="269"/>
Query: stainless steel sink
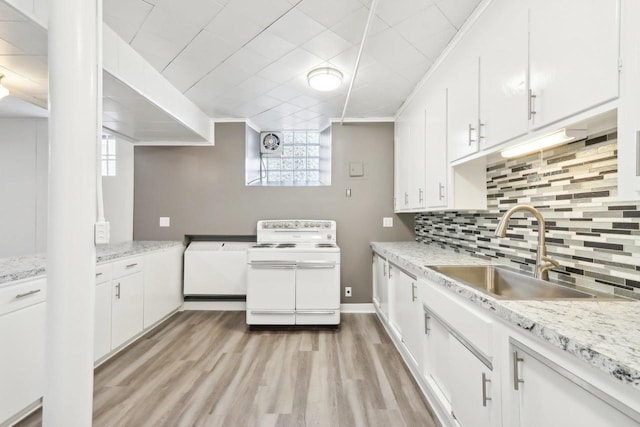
<point x="507" y="284"/>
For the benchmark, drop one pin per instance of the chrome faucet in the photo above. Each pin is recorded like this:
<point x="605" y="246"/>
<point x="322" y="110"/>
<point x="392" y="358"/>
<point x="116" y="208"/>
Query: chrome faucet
<point x="543" y="262"/>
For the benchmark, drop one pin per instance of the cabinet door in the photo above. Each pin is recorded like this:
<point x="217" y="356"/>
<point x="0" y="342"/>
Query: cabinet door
<point x="437" y="368"/>
<point x="126" y="308"/>
<point x="22" y="334"/>
<point x="436" y="148"/>
<point x="503" y="72"/>
<point x="380" y="285"/>
<point x="573" y="66"/>
<point x="547" y="396"/>
<point x="411" y="327"/>
<point x="416" y="159"/>
<point x="317" y="292"/>
<point x="471" y="388"/>
<point x="102" y="325"/>
<point x="397" y="297"/>
<point x="162" y="284"/>
<point x="401" y="168"/>
<point x="463" y="104"/>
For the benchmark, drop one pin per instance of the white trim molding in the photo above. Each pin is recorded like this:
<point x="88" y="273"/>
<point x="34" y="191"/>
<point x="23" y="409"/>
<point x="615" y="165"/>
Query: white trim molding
<point x="357" y="308"/>
<point x="214" y="306"/>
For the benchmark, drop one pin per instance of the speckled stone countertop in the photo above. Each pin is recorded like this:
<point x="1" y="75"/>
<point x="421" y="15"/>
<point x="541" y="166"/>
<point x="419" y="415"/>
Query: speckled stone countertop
<point x="603" y="333"/>
<point x="23" y="267"/>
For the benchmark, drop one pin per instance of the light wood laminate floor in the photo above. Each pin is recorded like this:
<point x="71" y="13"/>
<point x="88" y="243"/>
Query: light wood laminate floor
<point x="207" y="369"/>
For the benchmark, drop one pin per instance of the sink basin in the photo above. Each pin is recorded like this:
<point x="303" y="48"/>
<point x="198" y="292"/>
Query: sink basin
<point x="507" y="284"/>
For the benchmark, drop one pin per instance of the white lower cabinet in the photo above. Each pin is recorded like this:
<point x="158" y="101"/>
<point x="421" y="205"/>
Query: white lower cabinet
<point x="380" y="285"/>
<point x="102" y="325"/>
<point x="22" y="334"/>
<point x="437" y="366"/>
<point x="546" y="394"/>
<point x="126" y="308"/>
<point x="471" y="387"/>
<point x="479" y="371"/>
<point x="162" y="284"/>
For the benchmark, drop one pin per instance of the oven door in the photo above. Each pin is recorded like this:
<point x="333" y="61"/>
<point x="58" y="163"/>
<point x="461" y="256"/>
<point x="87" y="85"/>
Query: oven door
<point x="271" y="290"/>
<point x="318" y="293"/>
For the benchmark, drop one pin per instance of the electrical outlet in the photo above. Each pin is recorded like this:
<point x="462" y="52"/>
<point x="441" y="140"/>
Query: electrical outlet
<point x="347" y="291"/>
<point x="387" y="221"/>
<point x="102" y="232"/>
<point x="165" y="221"/>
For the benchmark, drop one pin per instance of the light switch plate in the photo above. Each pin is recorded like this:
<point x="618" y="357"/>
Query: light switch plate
<point x="387" y="221"/>
<point x="165" y="221"/>
<point x="356" y="169"/>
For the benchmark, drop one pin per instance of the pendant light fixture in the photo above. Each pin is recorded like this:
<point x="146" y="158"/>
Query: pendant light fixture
<point x="324" y="79"/>
<point x="3" y="90"/>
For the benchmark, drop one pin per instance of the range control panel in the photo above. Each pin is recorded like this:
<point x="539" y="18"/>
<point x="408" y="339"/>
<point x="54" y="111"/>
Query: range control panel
<point x="296" y="231"/>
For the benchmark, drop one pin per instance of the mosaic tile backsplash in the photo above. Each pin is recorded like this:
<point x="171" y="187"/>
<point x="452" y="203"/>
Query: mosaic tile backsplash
<point x="595" y="239"/>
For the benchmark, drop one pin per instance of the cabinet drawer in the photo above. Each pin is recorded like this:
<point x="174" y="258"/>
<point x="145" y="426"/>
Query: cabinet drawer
<point x="126" y="267"/>
<point x="103" y="273"/>
<point x="21" y="295"/>
<point x="475" y="327"/>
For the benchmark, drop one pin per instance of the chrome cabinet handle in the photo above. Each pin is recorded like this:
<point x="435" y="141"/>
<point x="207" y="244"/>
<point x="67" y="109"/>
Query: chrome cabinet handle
<point x="530" y="109"/>
<point x="480" y="126"/>
<point x="118" y="291"/>
<point x="272" y="312"/>
<point x="471" y="129"/>
<point x="26" y="294"/>
<point x="384" y="270"/>
<point x="406" y="198"/>
<point x="389" y="272"/>
<point x="516" y="380"/>
<point x="98" y="274"/>
<point x="131" y="265"/>
<point x="316" y="265"/>
<point x="485" y="380"/>
<point x="426" y="323"/>
<point x="315" y="311"/>
<point x="440" y="191"/>
<point x="413" y="292"/>
<point x="420" y="195"/>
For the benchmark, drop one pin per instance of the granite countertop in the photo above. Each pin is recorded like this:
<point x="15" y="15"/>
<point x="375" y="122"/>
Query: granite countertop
<point x="23" y="267"/>
<point x="603" y="333"/>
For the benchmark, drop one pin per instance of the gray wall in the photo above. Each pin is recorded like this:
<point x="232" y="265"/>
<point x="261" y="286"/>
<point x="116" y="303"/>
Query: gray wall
<point x="202" y="190"/>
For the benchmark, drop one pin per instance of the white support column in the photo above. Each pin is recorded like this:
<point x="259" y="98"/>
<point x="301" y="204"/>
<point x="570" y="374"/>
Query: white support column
<point x="73" y="120"/>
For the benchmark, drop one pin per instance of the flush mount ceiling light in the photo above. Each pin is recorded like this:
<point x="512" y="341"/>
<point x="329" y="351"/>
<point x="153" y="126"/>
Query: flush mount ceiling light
<point x="559" y="137"/>
<point x="324" y="79"/>
<point x="3" y="90"/>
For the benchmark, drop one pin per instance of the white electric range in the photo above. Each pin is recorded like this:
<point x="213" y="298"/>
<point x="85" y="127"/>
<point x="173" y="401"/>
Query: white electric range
<point x="293" y="275"/>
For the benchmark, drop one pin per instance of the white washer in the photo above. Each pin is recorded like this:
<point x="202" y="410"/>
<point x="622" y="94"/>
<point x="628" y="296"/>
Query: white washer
<point x="216" y="269"/>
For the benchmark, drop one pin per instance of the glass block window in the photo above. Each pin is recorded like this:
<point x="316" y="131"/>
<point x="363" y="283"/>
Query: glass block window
<point x="108" y="155"/>
<point x="300" y="160"/>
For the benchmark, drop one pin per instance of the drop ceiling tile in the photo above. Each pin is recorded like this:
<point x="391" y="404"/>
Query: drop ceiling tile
<point x="257" y="85"/>
<point x="158" y="51"/>
<point x="296" y="27"/>
<point x="351" y="27"/>
<point x="248" y="60"/>
<point x="266" y="102"/>
<point x="169" y="26"/>
<point x="327" y="45"/>
<point x="328" y="12"/>
<point x="300" y="60"/>
<point x="232" y="26"/>
<point x="457" y="11"/>
<point x="197" y="59"/>
<point x="278" y="73"/>
<point x="195" y="13"/>
<point x="304" y="101"/>
<point x="284" y="92"/>
<point x="31" y="67"/>
<point x="392" y="12"/>
<point x="261" y="12"/>
<point x="428" y="30"/>
<point x="7" y="48"/>
<point x="346" y="61"/>
<point x="125" y="17"/>
<point x="286" y="109"/>
<point x="249" y="109"/>
<point x="391" y="49"/>
<point x="305" y="115"/>
<point x="270" y="45"/>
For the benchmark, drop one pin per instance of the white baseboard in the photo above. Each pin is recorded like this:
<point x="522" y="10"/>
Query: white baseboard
<point x="357" y="308"/>
<point x="214" y="305"/>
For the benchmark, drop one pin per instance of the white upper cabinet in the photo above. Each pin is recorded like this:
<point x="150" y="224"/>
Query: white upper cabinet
<point x="573" y="51"/>
<point x="503" y="72"/>
<point x="463" y="102"/>
<point x="409" y="174"/>
<point x="436" y="148"/>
